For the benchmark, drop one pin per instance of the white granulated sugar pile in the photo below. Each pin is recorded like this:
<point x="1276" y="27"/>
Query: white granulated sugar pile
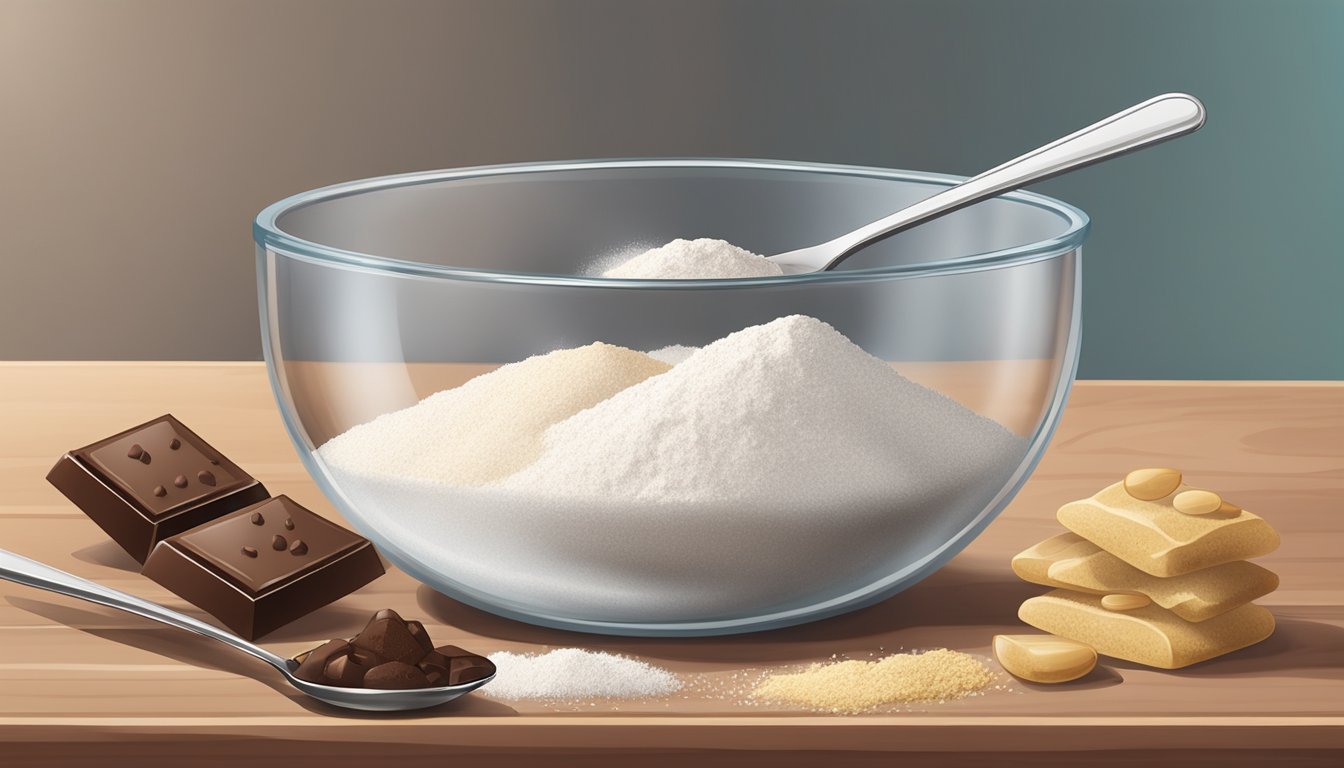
<point x="572" y="673"/>
<point x="790" y="412"/>
<point x="700" y="259"/>
<point x="491" y="426"/>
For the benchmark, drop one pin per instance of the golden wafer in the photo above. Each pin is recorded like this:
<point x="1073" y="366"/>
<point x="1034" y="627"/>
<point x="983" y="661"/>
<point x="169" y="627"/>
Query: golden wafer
<point x="1071" y="562"/>
<point x="1153" y="537"/>
<point x="1151" y="635"/>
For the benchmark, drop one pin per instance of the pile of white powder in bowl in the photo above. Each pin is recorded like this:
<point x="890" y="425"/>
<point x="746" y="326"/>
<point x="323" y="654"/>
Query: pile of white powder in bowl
<point x="700" y="259"/>
<point x="778" y="461"/>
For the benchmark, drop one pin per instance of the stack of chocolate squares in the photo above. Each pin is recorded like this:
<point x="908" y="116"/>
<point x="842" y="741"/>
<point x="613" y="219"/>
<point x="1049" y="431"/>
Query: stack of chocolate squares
<point x="207" y="530"/>
<point x="1153" y="572"/>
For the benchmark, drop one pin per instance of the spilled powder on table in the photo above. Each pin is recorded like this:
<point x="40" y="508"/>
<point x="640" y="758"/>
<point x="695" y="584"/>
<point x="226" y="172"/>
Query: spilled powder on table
<point x="848" y="687"/>
<point x="573" y="673"/>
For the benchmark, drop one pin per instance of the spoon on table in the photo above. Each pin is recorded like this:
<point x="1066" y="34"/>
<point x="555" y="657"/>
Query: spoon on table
<point x="1142" y="125"/>
<point x="21" y="570"/>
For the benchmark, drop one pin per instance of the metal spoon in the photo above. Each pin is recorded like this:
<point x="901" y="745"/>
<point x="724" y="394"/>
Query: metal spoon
<point x="31" y="573"/>
<point x="1142" y="125"/>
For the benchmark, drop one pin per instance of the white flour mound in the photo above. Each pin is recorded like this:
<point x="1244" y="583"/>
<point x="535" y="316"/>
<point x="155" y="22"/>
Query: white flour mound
<point x="700" y="259"/>
<point x="778" y="467"/>
<point x="789" y="413"/>
<point x="491" y="426"/>
<point x="573" y="673"/>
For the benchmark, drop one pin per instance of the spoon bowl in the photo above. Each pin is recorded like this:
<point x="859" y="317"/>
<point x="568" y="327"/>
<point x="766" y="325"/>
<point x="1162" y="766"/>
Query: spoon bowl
<point x="22" y="570"/>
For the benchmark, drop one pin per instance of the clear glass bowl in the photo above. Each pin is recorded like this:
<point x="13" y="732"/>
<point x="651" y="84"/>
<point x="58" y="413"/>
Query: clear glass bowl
<point x="377" y="293"/>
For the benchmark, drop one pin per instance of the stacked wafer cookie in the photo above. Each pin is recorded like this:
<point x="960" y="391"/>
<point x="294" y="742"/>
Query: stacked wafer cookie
<point x="1153" y="572"/>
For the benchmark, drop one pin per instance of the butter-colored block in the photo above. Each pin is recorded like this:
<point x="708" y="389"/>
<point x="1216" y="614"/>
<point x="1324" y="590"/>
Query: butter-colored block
<point x="1044" y="658"/>
<point x="1153" y="537"/>
<point x="1153" y="636"/>
<point x="1071" y="562"/>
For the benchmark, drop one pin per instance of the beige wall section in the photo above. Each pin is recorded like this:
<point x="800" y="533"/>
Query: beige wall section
<point x="139" y="138"/>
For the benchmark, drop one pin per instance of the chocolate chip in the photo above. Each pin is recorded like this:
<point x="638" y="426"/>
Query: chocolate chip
<point x="289" y="523"/>
<point x="144" y="457"/>
<point x="205" y="477"/>
<point x="298" y="547"/>
<point x="386" y="634"/>
<point x="313" y="664"/>
<point x="469" y="669"/>
<point x="417" y="631"/>
<point x="215" y="462"/>
<point x="278" y="543"/>
<point x="257" y="519"/>
<point x="395" y="675"/>
<point x="160" y="491"/>
<point x="135" y="451"/>
<point x="180" y="481"/>
<point x="250" y="551"/>
<point x="175" y="444"/>
<point x="345" y="671"/>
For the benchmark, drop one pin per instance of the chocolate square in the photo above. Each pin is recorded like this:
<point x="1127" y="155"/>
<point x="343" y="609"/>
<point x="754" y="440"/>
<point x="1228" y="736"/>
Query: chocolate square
<point x="264" y="566"/>
<point x="151" y="482"/>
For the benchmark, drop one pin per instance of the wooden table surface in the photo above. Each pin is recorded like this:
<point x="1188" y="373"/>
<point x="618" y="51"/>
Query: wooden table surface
<point x="84" y="685"/>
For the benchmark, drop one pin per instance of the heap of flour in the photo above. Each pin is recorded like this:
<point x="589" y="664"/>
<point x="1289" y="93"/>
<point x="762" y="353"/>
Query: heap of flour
<point x="492" y="426"/>
<point x="778" y="464"/>
<point x="700" y="259"/>
<point x="791" y="412"/>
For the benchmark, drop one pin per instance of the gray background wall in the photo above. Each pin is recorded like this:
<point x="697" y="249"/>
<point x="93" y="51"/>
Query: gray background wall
<point x="139" y="138"/>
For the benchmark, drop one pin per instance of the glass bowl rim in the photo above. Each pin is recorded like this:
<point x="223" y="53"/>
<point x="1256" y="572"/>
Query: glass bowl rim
<point x="268" y="235"/>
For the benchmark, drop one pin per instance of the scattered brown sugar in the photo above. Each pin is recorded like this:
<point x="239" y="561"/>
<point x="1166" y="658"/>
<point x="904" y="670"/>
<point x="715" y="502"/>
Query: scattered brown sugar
<point x="856" y="686"/>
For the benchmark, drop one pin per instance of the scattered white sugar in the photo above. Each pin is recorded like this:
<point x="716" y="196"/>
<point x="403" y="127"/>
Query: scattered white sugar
<point x="573" y="673"/>
<point x="491" y="426"/>
<point x="673" y="354"/>
<point x="700" y="259"/>
<point x="790" y="412"/>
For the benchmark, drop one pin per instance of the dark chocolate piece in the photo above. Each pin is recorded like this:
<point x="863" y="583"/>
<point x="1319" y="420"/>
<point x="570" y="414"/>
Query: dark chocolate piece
<point x="313" y="664"/>
<point x="345" y="671"/>
<point x="417" y="631"/>
<point x="134" y="484"/>
<point x="395" y="675"/>
<point x="435" y="666"/>
<point x="387" y="635"/>
<point x="469" y="669"/>
<point x="369" y="659"/>
<point x="254" y="593"/>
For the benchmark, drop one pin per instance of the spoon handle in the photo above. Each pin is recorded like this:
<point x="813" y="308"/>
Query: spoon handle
<point x="1155" y="120"/>
<point x="21" y="570"/>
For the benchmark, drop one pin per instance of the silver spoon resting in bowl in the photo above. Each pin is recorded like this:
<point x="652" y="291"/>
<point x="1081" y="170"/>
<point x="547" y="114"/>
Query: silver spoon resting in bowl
<point x="1142" y="125"/>
<point x="21" y="570"/>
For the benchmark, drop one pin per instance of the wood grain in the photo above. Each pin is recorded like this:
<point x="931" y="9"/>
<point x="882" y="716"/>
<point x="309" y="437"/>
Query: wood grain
<point x="74" y="674"/>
